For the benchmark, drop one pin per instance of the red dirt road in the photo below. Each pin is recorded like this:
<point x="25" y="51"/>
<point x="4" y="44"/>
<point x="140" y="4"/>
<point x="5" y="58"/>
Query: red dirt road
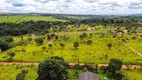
<point x="70" y="64"/>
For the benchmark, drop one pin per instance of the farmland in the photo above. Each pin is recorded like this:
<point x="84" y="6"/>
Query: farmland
<point x="31" y="74"/>
<point x="95" y="53"/>
<point x="25" y="18"/>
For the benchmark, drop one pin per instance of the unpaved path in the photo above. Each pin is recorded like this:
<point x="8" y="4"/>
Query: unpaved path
<point x="70" y="64"/>
<point x="125" y="66"/>
<point x="133" y="49"/>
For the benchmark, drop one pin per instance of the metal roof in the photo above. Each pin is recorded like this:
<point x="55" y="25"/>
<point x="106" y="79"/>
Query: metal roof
<point x="88" y="76"/>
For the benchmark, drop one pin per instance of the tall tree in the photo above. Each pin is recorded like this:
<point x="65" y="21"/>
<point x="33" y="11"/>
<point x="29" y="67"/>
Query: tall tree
<point x="76" y="44"/>
<point x="62" y="45"/>
<point x="53" y="68"/>
<point x="109" y="45"/>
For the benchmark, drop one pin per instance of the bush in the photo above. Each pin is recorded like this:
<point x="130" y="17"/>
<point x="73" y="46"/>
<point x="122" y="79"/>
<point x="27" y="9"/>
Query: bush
<point x="4" y="45"/>
<point x="62" y="45"/>
<point x="20" y="76"/>
<point x="11" y="54"/>
<point x="44" y="47"/>
<point x="21" y="43"/>
<point x="50" y="45"/>
<point x="109" y="45"/>
<point x="25" y="71"/>
<point x="30" y="39"/>
<point x="8" y="39"/>
<point x="39" y="41"/>
<point x="10" y="59"/>
<point x="76" y="44"/>
<point x="89" y="42"/>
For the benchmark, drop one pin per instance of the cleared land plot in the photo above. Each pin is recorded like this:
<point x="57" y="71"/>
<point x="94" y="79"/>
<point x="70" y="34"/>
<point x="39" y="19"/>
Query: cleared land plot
<point x="97" y="52"/>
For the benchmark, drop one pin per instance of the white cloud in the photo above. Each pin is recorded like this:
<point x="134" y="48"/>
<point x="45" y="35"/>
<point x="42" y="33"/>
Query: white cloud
<point x="72" y="6"/>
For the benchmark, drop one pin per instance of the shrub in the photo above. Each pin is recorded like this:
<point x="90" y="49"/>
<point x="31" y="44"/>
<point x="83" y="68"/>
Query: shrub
<point x="20" y="76"/>
<point x="11" y="54"/>
<point x="10" y="59"/>
<point x="76" y="44"/>
<point x="8" y="39"/>
<point x="50" y="45"/>
<point x="109" y="45"/>
<point x="29" y="39"/>
<point x="39" y="41"/>
<point x="21" y="43"/>
<point x="62" y="45"/>
<point x="4" y="45"/>
<point x="44" y="47"/>
<point x="89" y="42"/>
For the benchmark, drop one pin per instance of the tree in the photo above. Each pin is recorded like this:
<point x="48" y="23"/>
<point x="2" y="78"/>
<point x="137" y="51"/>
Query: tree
<point x="50" y="45"/>
<point x="30" y="39"/>
<point x="89" y="42"/>
<point x="48" y="37"/>
<point x="11" y="54"/>
<point x="20" y="76"/>
<point x="44" y="47"/>
<point x="76" y="44"/>
<point x="114" y="65"/>
<point x="4" y="45"/>
<point x="82" y="36"/>
<point x="134" y="38"/>
<point x="62" y="45"/>
<point x="39" y="41"/>
<point x="109" y="45"/>
<point x="53" y="68"/>
<point x="9" y="39"/>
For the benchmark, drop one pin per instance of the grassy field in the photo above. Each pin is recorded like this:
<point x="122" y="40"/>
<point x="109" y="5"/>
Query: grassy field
<point x="136" y="45"/>
<point x="94" y="53"/>
<point x="133" y="74"/>
<point x="24" y="18"/>
<point x="9" y="72"/>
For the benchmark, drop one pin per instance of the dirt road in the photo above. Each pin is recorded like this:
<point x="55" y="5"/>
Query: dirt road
<point x="70" y="64"/>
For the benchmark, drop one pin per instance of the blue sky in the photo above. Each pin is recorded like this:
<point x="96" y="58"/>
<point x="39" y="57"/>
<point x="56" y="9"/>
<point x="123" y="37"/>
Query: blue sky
<point x="72" y="6"/>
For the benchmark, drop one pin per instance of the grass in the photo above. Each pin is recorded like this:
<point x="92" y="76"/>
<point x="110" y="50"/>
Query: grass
<point x="9" y="72"/>
<point x="94" y="53"/>
<point x="24" y="18"/>
<point x="133" y="74"/>
<point x="137" y="46"/>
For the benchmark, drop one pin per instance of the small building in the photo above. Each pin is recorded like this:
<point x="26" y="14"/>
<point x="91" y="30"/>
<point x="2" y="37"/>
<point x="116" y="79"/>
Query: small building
<point x="88" y="76"/>
<point x="125" y="31"/>
<point x="88" y="29"/>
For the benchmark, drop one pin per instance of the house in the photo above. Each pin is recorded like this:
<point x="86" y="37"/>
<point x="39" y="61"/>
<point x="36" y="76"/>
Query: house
<point x="88" y="29"/>
<point x="113" y="31"/>
<point x="88" y="76"/>
<point x="125" y="31"/>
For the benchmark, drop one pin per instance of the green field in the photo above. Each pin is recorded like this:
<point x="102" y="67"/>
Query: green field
<point x="25" y="18"/>
<point x="9" y="72"/>
<point x="94" y="53"/>
<point x="106" y="43"/>
<point x="133" y="74"/>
